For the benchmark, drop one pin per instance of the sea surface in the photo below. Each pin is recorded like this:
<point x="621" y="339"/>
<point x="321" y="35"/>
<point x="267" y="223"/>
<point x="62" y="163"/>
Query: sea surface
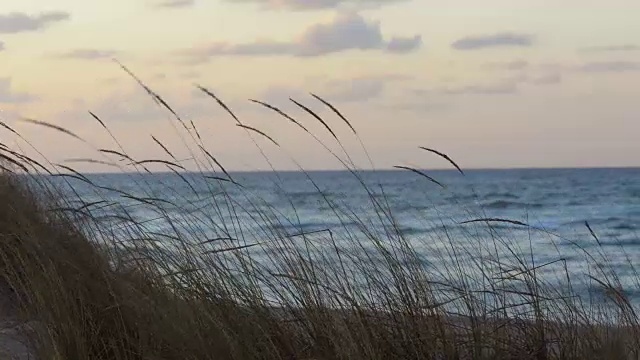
<point x="555" y="204"/>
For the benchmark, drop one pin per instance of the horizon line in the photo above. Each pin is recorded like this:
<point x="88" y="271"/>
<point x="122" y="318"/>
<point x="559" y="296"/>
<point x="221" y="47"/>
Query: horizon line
<point x="472" y="169"/>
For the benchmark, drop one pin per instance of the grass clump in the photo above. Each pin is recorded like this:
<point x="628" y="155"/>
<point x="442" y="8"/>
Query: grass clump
<point x="97" y="281"/>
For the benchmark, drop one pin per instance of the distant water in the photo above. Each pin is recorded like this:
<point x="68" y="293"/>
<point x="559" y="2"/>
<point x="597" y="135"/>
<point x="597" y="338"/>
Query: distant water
<point x="555" y="202"/>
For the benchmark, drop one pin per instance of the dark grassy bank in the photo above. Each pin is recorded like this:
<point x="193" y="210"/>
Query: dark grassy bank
<point x="95" y="290"/>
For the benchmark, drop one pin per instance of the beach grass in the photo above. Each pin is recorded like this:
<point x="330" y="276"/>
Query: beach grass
<point x="86" y="285"/>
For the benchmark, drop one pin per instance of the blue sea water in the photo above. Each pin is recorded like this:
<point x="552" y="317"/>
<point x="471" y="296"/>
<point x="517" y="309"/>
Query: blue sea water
<point x="556" y="203"/>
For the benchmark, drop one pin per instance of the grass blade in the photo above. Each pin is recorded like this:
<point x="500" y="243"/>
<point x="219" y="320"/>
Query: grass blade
<point x="421" y="174"/>
<point x="445" y="156"/>
<point x="333" y="108"/>
<point x="259" y="132"/>
<point x="52" y="126"/>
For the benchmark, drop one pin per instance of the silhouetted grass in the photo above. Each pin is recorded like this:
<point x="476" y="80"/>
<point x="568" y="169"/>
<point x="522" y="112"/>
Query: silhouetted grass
<point x="100" y="282"/>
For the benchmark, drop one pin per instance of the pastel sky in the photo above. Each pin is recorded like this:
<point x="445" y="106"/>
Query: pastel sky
<point x="493" y="83"/>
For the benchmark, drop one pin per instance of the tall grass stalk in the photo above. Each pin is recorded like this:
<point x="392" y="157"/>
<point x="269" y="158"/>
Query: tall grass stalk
<point x="223" y="279"/>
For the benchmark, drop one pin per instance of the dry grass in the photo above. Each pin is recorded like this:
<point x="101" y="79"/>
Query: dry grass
<point x="102" y="291"/>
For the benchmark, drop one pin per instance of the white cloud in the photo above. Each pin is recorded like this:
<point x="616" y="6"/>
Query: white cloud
<point x="90" y="54"/>
<point x="612" y="48"/>
<point x="175" y="3"/>
<point x="498" y="40"/>
<point x="20" y="22"/>
<point x="348" y="31"/>
<point x="303" y="5"/>
<point x="610" y="66"/>
<point x="513" y="65"/>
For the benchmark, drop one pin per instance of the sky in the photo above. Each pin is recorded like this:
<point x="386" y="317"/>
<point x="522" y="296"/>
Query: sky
<point x="493" y="83"/>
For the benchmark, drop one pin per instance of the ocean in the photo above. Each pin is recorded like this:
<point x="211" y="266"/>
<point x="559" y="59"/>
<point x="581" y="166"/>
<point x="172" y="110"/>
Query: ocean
<point x="555" y="204"/>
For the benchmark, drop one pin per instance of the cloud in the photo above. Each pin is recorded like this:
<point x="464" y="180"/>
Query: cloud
<point x="175" y="3"/>
<point x="9" y="97"/>
<point x="513" y="65"/>
<point x="610" y="66"/>
<point x="546" y="79"/>
<point x="2" y="48"/>
<point x="19" y="22"/>
<point x="359" y="88"/>
<point x="257" y="48"/>
<point x="131" y="104"/>
<point x="348" y="31"/>
<point x="419" y="105"/>
<point x="304" y="5"/>
<point x="404" y="44"/>
<point x="279" y="95"/>
<point x="500" y="88"/>
<point x="612" y="48"/>
<point x="90" y="54"/>
<point x="493" y="41"/>
<point x="527" y="73"/>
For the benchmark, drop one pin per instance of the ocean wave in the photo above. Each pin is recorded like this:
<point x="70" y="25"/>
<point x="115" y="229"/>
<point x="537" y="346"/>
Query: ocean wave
<point x="628" y="243"/>
<point x="611" y="223"/>
<point x="633" y="193"/>
<point x="501" y="195"/>
<point x="625" y="226"/>
<point x="505" y="204"/>
<point x="310" y="227"/>
<point x="406" y="230"/>
<point x="461" y="197"/>
<point x="303" y="194"/>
